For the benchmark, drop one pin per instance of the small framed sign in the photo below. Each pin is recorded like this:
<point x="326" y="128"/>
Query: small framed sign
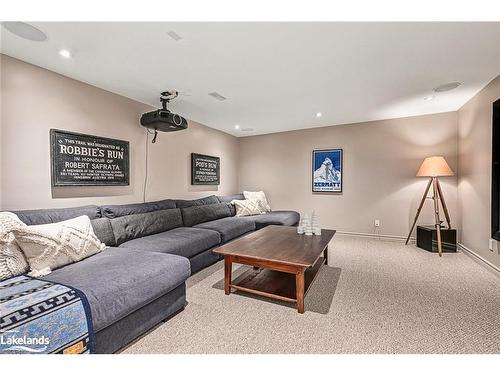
<point x="327" y="171"/>
<point x="87" y="160"/>
<point x="205" y="170"/>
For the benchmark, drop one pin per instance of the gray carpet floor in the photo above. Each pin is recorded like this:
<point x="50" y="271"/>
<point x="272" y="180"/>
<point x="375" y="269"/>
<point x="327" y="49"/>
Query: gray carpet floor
<point x="376" y="297"/>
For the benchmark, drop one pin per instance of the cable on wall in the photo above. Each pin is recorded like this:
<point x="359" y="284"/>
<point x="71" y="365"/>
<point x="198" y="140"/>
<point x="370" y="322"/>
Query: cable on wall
<point x="146" y="161"/>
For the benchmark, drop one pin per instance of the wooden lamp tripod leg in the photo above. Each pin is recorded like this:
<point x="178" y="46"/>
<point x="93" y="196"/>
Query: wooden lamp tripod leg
<point x="443" y="203"/>
<point x="419" y="209"/>
<point x="436" y="214"/>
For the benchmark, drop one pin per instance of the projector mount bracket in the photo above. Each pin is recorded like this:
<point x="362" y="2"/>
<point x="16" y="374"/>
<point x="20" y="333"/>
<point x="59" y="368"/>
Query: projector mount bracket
<point x="165" y="98"/>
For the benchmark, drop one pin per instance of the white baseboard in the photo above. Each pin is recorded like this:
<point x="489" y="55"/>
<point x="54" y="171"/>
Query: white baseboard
<point x="376" y="236"/>
<point x="479" y="259"/>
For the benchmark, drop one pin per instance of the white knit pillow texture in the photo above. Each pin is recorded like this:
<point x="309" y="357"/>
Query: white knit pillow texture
<point x="247" y="207"/>
<point x="50" y="246"/>
<point x="260" y="197"/>
<point x="12" y="260"/>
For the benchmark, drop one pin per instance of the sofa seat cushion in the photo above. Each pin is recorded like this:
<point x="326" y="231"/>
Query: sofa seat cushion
<point x="289" y="218"/>
<point x="183" y="241"/>
<point x="229" y="227"/>
<point x="118" y="282"/>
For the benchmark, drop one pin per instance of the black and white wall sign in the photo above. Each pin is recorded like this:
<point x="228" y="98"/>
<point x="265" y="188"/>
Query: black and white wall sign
<point x="79" y="159"/>
<point x="205" y="170"/>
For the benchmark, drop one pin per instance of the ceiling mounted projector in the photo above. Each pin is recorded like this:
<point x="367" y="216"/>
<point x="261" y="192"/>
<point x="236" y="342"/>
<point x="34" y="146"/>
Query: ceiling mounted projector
<point x="162" y="119"/>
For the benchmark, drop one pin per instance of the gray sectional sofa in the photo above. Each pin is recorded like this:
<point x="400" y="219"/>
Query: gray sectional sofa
<point x="154" y="247"/>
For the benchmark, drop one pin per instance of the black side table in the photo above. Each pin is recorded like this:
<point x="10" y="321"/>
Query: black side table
<point x="427" y="239"/>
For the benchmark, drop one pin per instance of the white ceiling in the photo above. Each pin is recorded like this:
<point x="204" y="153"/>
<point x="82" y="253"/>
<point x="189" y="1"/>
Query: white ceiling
<point x="276" y="76"/>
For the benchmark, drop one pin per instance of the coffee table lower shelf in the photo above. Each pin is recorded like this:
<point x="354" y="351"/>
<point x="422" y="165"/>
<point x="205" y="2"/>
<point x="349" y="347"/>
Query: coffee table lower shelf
<point x="275" y="284"/>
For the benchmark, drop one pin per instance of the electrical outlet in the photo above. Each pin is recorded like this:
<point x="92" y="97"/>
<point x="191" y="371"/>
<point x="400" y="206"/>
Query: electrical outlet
<point x="493" y="245"/>
<point x="377" y="223"/>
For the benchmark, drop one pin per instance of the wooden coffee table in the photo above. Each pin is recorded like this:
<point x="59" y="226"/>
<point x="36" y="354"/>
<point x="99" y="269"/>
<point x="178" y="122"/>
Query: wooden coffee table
<point x="287" y="262"/>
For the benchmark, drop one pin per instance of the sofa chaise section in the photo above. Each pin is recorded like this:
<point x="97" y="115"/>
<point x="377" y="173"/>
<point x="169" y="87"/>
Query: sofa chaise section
<point x="119" y="282"/>
<point x="129" y="291"/>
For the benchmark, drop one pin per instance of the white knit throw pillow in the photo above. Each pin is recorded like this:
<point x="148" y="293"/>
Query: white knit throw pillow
<point x="247" y="207"/>
<point x="12" y="260"/>
<point x="260" y="197"/>
<point x="50" y="246"/>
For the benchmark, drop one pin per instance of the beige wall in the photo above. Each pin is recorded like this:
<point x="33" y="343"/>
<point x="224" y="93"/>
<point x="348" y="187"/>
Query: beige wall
<point x="381" y="159"/>
<point x="474" y="183"/>
<point x="1" y="129"/>
<point x="35" y="100"/>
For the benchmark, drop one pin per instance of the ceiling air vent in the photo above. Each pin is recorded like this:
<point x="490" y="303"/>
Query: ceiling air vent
<point x="217" y="96"/>
<point x="174" y="36"/>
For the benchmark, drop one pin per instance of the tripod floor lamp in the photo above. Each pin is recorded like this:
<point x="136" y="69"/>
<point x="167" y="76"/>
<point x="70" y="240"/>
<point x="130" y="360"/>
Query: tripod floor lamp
<point x="434" y="167"/>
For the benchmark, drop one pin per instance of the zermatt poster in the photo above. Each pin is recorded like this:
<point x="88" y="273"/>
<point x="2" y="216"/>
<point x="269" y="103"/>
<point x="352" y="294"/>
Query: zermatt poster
<point x="327" y="171"/>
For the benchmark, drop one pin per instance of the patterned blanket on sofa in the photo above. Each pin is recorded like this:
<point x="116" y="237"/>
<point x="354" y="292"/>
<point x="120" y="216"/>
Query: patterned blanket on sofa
<point x="38" y="316"/>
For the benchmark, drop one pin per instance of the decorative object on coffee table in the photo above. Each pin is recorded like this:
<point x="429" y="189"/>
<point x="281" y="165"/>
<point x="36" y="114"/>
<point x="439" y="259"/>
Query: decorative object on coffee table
<point x="300" y="227"/>
<point x="434" y="167"/>
<point x="315" y="228"/>
<point x="305" y="225"/>
<point x="289" y="262"/>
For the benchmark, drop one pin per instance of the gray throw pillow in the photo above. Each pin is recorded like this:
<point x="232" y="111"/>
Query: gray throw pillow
<point x="104" y="231"/>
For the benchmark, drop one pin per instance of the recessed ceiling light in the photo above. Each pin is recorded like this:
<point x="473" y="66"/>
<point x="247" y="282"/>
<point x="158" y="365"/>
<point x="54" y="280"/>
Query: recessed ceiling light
<point x="236" y="127"/>
<point x="446" y="87"/>
<point x="25" y="31"/>
<point x="429" y="98"/>
<point x="65" y="53"/>
<point x="319" y="114"/>
<point x="174" y="35"/>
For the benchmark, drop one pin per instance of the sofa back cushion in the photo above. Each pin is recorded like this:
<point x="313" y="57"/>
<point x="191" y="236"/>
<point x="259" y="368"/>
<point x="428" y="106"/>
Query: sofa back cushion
<point x="104" y="231"/>
<point x="55" y="215"/>
<point x="118" y="210"/>
<point x="201" y="214"/>
<point x="126" y="228"/>
<point x="212" y="199"/>
<point x="230" y="198"/>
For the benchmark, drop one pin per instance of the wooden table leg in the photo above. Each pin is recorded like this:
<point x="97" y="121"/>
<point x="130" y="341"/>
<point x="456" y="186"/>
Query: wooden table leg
<point x="299" y="280"/>
<point x="325" y="255"/>
<point x="228" y="266"/>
